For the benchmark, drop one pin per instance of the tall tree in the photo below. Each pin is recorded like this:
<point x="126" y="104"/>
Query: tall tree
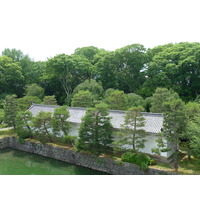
<point x="131" y="62"/>
<point x="69" y="71"/>
<point x="88" y="53"/>
<point x="92" y="86"/>
<point x="11" y="110"/>
<point x="11" y="77"/>
<point x="61" y="126"/>
<point x="25" y="102"/>
<point x="42" y="126"/>
<point x="117" y="100"/>
<point x="96" y="131"/>
<point x="193" y="133"/>
<point x="160" y="96"/>
<point x="23" y="124"/>
<point x="135" y="100"/>
<point x="174" y="125"/>
<point x="50" y="100"/>
<point x="106" y="68"/>
<point x="132" y="134"/>
<point x="174" y="66"/>
<point x="82" y="99"/>
<point x="35" y="90"/>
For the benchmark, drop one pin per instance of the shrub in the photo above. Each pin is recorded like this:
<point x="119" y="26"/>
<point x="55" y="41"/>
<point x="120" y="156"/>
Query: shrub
<point x="68" y="139"/>
<point x="140" y="159"/>
<point x="152" y="162"/>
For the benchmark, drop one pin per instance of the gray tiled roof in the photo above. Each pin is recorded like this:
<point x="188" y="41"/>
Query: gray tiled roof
<point x="153" y="121"/>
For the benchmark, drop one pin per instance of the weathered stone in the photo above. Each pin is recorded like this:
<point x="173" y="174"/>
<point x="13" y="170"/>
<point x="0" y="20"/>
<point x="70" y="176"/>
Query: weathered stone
<point x="107" y="165"/>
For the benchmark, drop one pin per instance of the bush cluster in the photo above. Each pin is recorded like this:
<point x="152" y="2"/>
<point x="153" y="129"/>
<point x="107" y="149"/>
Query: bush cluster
<point x="138" y="158"/>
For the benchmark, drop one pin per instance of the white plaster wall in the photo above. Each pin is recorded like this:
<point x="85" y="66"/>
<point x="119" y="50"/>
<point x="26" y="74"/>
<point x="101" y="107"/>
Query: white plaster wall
<point x="150" y="144"/>
<point x="74" y="129"/>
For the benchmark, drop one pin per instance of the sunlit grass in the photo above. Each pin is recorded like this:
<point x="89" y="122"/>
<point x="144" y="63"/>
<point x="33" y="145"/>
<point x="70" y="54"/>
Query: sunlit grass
<point x="8" y="132"/>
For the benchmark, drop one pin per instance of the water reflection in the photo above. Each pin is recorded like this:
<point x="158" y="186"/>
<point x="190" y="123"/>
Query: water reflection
<point x="15" y="162"/>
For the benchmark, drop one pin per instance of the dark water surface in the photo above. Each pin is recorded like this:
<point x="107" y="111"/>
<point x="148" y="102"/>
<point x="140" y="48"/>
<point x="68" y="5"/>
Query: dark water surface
<point x="15" y="162"/>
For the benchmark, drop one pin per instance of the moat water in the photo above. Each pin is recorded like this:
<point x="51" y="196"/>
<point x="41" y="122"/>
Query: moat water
<point x="15" y="162"/>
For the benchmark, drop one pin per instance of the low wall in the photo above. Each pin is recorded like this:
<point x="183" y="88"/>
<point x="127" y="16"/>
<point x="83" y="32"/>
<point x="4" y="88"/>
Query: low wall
<point x="107" y="165"/>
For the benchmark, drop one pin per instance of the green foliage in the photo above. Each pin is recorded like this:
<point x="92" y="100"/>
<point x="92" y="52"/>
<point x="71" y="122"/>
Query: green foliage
<point x="88" y="53"/>
<point x="10" y="110"/>
<point x="68" y="139"/>
<point x="35" y="90"/>
<point x="117" y="100"/>
<point x="25" y="103"/>
<point x="23" y="124"/>
<point x="60" y="125"/>
<point x="131" y="60"/>
<point x="1" y="116"/>
<point x="42" y="126"/>
<point x="174" y="66"/>
<point x="50" y="100"/>
<point x="193" y="136"/>
<point x="132" y="135"/>
<point x="94" y="87"/>
<point x="82" y="99"/>
<point x="69" y="71"/>
<point x="152" y="162"/>
<point x="138" y="158"/>
<point x="107" y="70"/>
<point x="160" y="96"/>
<point x="11" y="77"/>
<point x="134" y="100"/>
<point x="96" y="131"/>
<point x="174" y="125"/>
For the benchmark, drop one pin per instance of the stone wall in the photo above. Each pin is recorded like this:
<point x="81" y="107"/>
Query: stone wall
<point x="107" y="165"/>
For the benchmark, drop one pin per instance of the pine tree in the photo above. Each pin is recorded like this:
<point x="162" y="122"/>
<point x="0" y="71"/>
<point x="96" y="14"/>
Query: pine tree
<point x="42" y="125"/>
<point x="174" y="125"/>
<point x="59" y="122"/>
<point x="96" y="131"/>
<point x="23" y="124"/>
<point x="10" y="110"/>
<point x="132" y="132"/>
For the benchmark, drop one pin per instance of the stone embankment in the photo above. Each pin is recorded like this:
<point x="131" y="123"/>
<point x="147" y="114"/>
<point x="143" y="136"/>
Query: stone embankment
<point x="107" y="165"/>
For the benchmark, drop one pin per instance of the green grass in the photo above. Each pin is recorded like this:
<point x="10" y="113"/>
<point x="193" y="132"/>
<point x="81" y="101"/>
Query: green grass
<point x="9" y="132"/>
<point x="3" y="126"/>
<point x="186" y="167"/>
<point x="189" y="168"/>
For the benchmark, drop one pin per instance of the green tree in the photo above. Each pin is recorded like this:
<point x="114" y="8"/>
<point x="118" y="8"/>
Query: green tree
<point x="25" y="62"/>
<point x="160" y="96"/>
<point x="35" y="90"/>
<point x="42" y="125"/>
<point x="174" y="125"/>
<point x="69" y="71"/>
<point x="11" y="77"/>
<point x="11" y="110"/>
<point x="117" y="100"/>
<point x="61" y="126"/>
<point x="135" y="100"/>
<point x="132" y="133"/>
<point x="92" y="86"/>
<point x="107" y="70"/>
<point x="25" y="102"/>
<point x="1" y="116"/>
<point x="131" y="62"/>
<point x="174" y="66"/>
<point x="23" y="124"/>
<point x="88" y="53"/>
<point x="192" y="110"/>
<point x="96" y="131"/>
<point x="50" y="100"/>
<point x="82" y="99"/>
<point x="193" y="133"/>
